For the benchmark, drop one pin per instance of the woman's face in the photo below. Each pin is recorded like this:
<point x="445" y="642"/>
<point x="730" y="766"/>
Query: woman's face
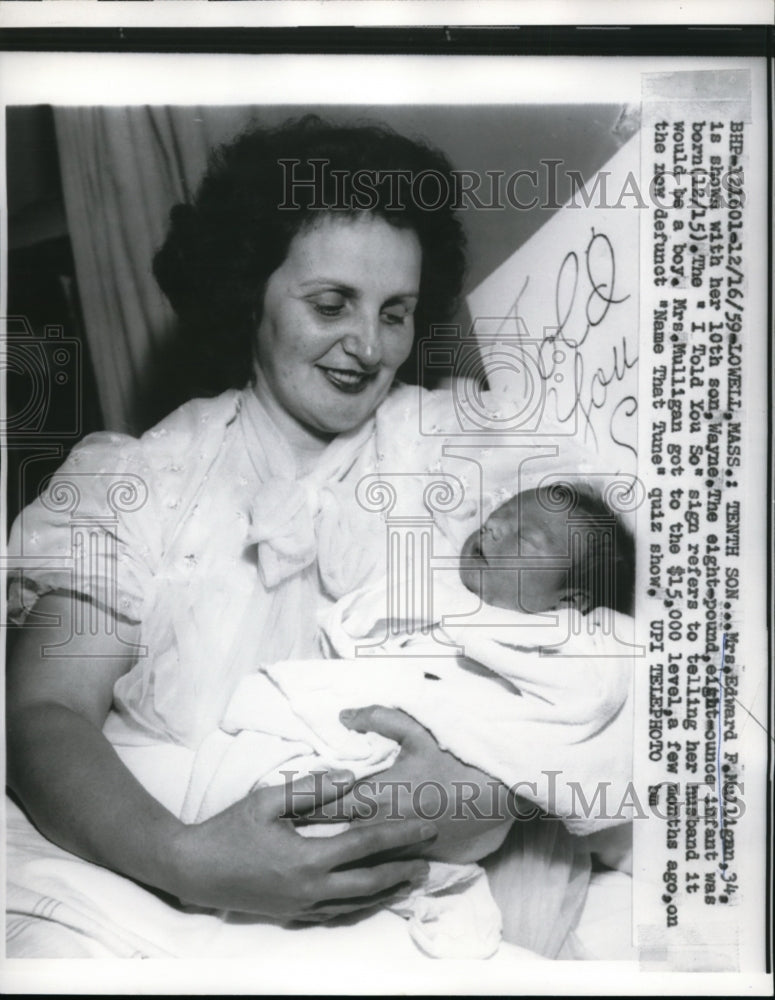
<point x="337" y="323"/>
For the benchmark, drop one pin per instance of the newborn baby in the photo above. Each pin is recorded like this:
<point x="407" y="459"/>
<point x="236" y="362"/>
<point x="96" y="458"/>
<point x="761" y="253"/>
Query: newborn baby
<point x="548" y="548"/>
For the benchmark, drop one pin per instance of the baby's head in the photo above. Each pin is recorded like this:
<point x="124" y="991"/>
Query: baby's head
<point x="534" y="554"/>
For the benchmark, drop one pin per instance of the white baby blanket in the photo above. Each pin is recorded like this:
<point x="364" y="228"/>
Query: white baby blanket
<point x="504" y="708"/>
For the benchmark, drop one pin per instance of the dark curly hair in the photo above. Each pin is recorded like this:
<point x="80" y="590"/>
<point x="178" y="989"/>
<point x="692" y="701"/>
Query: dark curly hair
<point x="221" y="249"/>
<point x="603" y="552"/>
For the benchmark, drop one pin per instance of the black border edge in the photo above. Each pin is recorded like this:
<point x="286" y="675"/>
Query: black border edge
<point x="543" y="40"/>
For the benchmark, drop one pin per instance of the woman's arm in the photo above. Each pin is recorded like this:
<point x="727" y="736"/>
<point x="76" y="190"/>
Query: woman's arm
<point x="82" y="797"/>
<point x="71" y="781"/>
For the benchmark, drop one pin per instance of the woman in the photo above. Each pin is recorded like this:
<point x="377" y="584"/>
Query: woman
<point x="307" y="266"/>
<point x="163" y="570"/>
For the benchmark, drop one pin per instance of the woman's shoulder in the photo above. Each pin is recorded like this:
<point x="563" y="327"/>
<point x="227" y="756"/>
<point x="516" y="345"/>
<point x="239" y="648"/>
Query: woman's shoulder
<point x="177" y="434"/>
<point x="414" y="406"/>
<point x="413" y="424"/>
<point x="191" y="425"/>
<point x="131" y="488"/>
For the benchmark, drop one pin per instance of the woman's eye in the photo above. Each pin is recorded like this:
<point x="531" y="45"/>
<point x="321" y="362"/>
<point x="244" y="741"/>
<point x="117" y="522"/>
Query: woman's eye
<point x="329" y="305"/>
<point x="395" y="318"/>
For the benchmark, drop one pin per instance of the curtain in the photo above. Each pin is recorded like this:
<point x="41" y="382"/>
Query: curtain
<point x="122" y="170"/>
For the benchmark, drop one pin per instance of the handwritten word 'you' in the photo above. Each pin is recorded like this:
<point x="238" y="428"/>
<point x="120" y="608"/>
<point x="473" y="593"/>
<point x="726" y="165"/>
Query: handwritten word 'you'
<point x="587" y="329"/>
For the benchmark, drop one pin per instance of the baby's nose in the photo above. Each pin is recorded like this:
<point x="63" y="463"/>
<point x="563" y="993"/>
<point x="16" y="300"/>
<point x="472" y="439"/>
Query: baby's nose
<point x="493" y="529"/>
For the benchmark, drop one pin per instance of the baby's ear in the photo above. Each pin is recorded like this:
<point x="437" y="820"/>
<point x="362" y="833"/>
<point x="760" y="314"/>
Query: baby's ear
<point x="577" y="599"/>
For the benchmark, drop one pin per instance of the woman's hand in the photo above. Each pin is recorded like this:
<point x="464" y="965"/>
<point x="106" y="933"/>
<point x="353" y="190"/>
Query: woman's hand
<point x="250" y="857"/>
<point x="469" y="808"/>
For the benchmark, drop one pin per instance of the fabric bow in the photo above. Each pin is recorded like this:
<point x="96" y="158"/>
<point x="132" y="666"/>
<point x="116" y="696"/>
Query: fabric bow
<point x="282" y="524"/>
<point x="295" y="522"/>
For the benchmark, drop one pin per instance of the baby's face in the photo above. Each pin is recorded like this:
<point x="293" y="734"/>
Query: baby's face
<point x="521" y="531"/>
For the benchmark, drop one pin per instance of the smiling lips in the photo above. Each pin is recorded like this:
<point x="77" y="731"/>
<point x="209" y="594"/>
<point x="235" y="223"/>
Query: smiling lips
<point x="347" y="380"/>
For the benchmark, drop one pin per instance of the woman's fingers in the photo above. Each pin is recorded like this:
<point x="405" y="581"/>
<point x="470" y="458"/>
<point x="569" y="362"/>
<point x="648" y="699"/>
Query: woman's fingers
<point x="390" y="722"/>
<point x="329" y="910"/>
<point x="334" y="911"/>
<point x="394" y="891"/>
<point x="296" y="798"/>
<point x="366" y="883"/>
<point x="364" y="841"/>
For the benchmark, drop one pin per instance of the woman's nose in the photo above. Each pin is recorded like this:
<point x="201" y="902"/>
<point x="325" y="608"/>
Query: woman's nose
<point x="364" y="344"/>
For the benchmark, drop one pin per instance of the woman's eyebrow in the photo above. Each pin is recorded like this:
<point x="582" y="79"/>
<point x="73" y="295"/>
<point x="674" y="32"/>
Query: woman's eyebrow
<point x="329" y="283"/>
<point x="348" y="290"/>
